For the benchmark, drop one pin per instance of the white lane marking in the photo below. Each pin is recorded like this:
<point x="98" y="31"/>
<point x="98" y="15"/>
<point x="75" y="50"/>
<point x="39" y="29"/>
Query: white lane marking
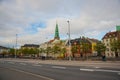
<point x="11" y="62"/>
<point x="59" y="67"/>
<point x="97" y="67"/>
<point x="102" y="70"/>
<point x="23" y="63"/>
<point x="36" y="75"/>
<point x="118" y="73"/>
<point x="37" y="65"/>
<point x="86" y="69"/>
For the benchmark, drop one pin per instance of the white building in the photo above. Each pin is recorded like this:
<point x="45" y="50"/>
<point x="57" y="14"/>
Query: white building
<point x="107" y="39"/>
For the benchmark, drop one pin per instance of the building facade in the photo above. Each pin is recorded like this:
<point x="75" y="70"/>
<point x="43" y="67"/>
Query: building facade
<point x="29" y="46"/>
<point x="85" y="46"/>
<point x="51" y="44"/>
<point x="4" y="51"/>
<point x="108" y="39"/>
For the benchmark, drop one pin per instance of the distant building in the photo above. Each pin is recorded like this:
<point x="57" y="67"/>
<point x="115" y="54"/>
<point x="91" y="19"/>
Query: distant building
<point x="30" y="46"/>
<point x="52" y="43"/>
<point x="80" y="42"/>
<point x="93" y="44"/>
<point x="3" y="50"/>
<point x="108" y="38"/>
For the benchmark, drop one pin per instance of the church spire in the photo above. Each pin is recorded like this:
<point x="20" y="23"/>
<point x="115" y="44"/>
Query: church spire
<point x="56" y="32"/>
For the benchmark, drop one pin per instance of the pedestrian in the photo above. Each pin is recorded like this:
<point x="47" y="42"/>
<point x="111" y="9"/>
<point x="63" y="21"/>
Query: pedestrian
<point x="103" y="57"/>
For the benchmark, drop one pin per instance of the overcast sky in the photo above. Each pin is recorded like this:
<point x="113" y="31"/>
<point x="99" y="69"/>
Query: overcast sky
<point x="34" y="20"/>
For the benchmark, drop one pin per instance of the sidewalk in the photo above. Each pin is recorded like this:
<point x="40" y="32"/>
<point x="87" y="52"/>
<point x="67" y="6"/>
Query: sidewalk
<point x="101" y="64"/>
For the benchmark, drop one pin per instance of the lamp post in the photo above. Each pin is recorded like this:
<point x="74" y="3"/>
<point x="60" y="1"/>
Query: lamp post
<point x="47" y="47"/>
<point x="16" y="47"/>
<point x="69" y="40"/>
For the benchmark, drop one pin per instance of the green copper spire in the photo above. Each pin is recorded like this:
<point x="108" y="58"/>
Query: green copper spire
<point x="56" y="32"/>
<point x="118" y="28"/>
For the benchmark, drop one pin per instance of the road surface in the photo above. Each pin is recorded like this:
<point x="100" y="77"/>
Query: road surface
<point x="17" y="70"/>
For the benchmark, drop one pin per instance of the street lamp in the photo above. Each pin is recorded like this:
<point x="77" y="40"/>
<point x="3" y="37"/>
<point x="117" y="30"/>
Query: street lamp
<point x="69" y="40"/>
<point x="47" y="47"/>
<point x="16" y="46"/>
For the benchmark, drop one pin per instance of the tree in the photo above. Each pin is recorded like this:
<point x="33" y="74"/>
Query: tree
<point x="29" y="51"/>
<point x="63" y="51"/>
<point x="115" y="46"/>
<point x="85" y="48"/>
<point x="49" y="50"/>
<point x="12" y="51"/>
<point x="41" y="50"/>
<point x="74" y="49"/>
<point x="25" y="51"/>
<point x="33" y="51"/>
<point x="56" y="49"/>
<point x="100" y="48"/>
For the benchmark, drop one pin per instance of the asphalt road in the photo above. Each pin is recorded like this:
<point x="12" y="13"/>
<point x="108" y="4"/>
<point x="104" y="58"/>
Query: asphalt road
<point x="12" y="70"/>
<point x="12" y="74"/>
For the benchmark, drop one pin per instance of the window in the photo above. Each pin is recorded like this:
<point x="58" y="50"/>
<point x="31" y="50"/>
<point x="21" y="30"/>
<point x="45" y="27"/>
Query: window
<point x="113" y="35"/>
<point x="110" y="40"/>
<point x="107" y="44"/>
<point x="108" y="54"/>
<point x="106" y="40"/>
<point x="107" y="49"/>
<point x="109" y="35"/>
<point x="112" y="54"/>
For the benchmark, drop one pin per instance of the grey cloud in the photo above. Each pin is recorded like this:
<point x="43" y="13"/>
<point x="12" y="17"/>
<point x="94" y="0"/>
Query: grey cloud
<point x="85" y="16"/>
